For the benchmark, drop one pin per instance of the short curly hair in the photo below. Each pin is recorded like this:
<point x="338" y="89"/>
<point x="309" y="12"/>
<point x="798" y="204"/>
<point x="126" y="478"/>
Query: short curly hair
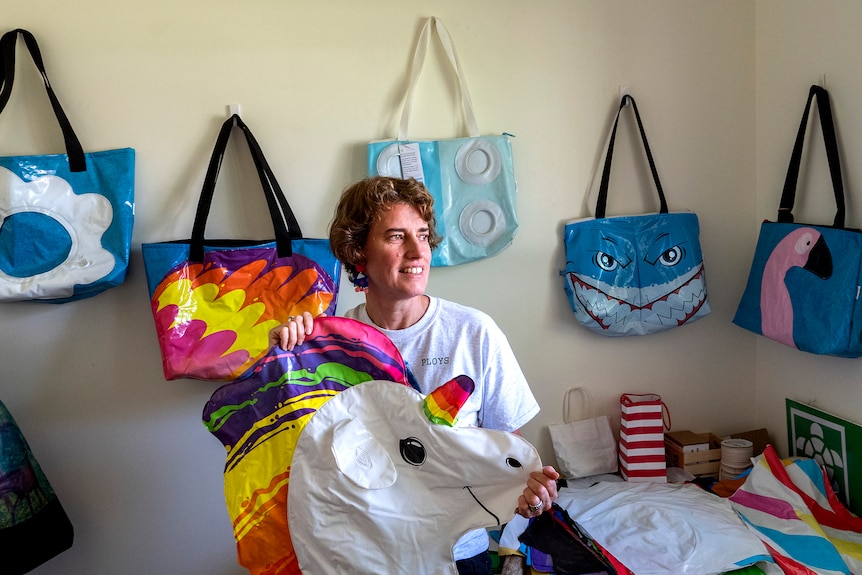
<point x="363" y="203"/>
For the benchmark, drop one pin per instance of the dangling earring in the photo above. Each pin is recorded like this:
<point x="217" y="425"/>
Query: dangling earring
<point x="360" y="280"/>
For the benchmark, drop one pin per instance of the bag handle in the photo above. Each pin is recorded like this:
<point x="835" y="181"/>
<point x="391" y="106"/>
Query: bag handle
<point x="416" y="70"/>
<point x="602" y="200"/>
<point x="74" y="151"/>
<point x="586" y="405"/>
<point x="788" y="196"/>
<point x="283" y="221"/>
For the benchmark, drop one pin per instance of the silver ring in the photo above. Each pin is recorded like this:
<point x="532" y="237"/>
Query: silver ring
<point x="291" y="318"/>
<point x="536" y="507"/>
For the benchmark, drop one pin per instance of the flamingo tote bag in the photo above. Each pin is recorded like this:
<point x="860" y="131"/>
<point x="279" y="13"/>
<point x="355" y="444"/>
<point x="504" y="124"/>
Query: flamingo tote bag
<point x="803" y="288"/>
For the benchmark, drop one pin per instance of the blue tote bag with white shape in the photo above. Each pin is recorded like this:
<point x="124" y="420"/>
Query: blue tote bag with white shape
<point x="634" y="275"/>
<point x="65" y="219"/>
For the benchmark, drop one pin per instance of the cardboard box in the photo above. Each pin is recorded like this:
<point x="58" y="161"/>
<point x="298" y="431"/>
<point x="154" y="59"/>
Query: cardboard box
<point x="697" y="453"/>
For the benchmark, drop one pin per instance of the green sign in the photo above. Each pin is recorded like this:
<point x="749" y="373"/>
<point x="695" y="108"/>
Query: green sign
<point x="834" y="443"/>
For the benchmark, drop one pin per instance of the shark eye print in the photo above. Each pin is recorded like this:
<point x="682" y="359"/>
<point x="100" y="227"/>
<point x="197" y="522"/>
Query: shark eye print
<point x="512" y="462"/>
<point x="606" y="261"/>
<point x="412" y="451"/>
<point x="672" y="256"/>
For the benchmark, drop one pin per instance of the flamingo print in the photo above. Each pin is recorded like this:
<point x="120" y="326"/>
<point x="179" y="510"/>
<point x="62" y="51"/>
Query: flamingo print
<point x="804" y="248"/>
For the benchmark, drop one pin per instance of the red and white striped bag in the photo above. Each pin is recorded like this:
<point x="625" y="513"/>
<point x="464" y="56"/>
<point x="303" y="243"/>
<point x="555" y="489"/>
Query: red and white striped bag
<point x="641" y="446"/>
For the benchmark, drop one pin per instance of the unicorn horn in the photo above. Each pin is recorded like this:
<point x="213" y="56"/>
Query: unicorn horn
<point x="443" y="404"/>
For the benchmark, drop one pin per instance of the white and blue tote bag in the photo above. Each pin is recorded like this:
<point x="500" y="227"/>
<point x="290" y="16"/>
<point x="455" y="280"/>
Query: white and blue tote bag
<point x="65" y="219"/>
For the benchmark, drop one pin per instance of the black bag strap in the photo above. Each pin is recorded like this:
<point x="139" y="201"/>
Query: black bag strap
<point x="788" y="196"/>
<point x="77" y="162"/>
<point x="283" y="221"/>
<point x="602" y="200"/>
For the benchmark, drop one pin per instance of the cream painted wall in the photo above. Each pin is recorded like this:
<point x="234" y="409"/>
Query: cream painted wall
<point x="125" y="450"/>
<point x="798" y="43"/>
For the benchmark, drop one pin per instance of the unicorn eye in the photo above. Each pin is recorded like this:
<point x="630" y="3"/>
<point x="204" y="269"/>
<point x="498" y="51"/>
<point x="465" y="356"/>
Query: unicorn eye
<point x="512" y="462"/>
<point x="412" y="451"/>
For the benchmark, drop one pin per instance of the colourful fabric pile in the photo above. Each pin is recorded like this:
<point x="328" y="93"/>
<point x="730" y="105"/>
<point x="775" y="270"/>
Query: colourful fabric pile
<point x="793" y="509"/>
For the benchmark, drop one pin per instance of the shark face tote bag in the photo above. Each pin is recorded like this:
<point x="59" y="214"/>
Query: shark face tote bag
<point x="214" y="301"/>
<point x="472" y="179"/>
<point x="65" y="219"/>
<point x="804" y="284"/>
<point x="634" y="275"/>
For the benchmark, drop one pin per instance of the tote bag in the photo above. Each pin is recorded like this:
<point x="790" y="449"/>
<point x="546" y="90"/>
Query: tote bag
<point x="642" y="425"/>
<point x="214" y="301"/>
<point x="260" y="418"/>
<point x="472" y="179"/>
<point x="634" y="275"/>
<point x="34" y="527"/>
<point x="803" y="287"/>
<point x="584" y="444"/>
<point x="65" y="219"/>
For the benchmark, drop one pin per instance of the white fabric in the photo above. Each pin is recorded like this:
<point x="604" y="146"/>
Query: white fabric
<point x="347" y="517"/>
<point x="665" y="529"/>
<point x="450" y="340"/>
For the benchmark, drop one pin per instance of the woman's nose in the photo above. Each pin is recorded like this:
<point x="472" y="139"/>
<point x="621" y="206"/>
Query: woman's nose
<point x="416" y="246"/>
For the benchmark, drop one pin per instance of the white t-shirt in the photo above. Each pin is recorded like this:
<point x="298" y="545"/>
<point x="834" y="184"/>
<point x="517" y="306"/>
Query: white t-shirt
<point x="450" y="340"/>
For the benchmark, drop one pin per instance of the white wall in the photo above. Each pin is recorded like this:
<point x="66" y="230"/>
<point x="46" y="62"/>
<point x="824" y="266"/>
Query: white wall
<point x="125" y="450"/>
<point x="798" y="43"/>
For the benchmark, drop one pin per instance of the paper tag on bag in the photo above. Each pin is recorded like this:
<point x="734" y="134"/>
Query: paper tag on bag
<point x="411" y="162"/>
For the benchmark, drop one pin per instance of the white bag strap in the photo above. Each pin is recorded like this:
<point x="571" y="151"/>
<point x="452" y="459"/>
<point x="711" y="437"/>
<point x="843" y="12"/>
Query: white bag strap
<point x="577" y="405"/>
<point x="416" y="70"/>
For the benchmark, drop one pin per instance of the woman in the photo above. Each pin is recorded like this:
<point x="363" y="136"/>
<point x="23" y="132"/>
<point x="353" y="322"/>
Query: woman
<point x="383" y="232"/>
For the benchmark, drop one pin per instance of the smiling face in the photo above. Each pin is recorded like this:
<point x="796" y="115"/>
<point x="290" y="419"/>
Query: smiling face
<point x="397" y="254"/>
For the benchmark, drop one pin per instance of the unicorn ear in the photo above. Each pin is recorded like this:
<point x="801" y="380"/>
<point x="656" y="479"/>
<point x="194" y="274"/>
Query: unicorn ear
<point x="443" y="404"/>
<point x="360" y="457"/>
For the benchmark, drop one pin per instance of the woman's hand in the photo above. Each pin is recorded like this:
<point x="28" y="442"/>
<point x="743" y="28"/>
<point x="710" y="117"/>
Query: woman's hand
<point x="540" y="492"/>
<point x="292" y="332"/>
